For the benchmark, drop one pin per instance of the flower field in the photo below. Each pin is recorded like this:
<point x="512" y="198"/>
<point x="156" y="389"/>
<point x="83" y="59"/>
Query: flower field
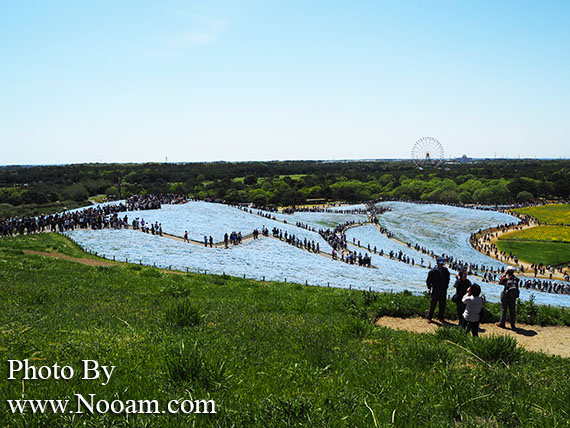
<point x="549" y="214"/>
<point x="540" y="233"/>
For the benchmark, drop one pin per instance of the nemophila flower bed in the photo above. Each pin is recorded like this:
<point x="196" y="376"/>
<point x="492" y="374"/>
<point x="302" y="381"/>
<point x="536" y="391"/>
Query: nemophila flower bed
<point x="321" y="220"/>
<point x="442" y="228"/>
<point x="368" y="234"/>
<point x="264" y="258"/>
<point x="273" y="260"/>
<point x="204" y="219"/>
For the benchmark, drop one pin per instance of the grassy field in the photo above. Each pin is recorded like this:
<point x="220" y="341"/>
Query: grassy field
<point x="549" y="214"/>
<point x="549" y="245"/>
<point x="269" y="354"/>
<point x="547" y="253"/>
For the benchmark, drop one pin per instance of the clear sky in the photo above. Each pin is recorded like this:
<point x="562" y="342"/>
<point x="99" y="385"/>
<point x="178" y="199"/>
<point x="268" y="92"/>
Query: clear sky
<point x="136" y="81"/>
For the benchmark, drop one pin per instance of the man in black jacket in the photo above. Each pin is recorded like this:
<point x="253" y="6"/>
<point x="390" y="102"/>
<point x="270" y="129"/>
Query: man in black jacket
<point x="509" y="298"/>
<point x="461" y="285"/>
<point x="437" y="283"/>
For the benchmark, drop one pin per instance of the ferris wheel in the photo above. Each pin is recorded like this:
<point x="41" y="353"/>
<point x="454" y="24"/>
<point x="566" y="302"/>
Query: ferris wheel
<point x="427" y="152"/>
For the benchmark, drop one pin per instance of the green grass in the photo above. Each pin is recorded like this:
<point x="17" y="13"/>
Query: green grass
<point x="293" y="176"/>
<point x="548" y="253"/>
<point x="269" y="354"/>
<point x="549" y="214"/>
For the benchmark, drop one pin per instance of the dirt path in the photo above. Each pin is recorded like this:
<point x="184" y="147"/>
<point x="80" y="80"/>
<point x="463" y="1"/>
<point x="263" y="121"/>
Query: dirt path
<point x="82" y="260"/>
<point x="550" y="340"/>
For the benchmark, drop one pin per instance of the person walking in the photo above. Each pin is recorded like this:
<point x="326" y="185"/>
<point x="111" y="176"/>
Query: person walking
<point x="437" y="283"/>
<point x="509" y="297"/>
<point x="461" y="285"/>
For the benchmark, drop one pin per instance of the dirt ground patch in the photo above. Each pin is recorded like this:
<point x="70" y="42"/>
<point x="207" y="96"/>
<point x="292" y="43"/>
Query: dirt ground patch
<point x="83" y="261"/>
<point x="550" y="340"/>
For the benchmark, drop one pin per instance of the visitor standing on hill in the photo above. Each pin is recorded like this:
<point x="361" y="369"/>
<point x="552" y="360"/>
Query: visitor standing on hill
<point x="461" y="285"/>
<point x="473" y="307"/>
<point x="437" y="283"/>
<point x="509" y="297"/>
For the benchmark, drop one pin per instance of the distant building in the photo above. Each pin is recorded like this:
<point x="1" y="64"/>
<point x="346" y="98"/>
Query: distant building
<point x="464" y="159"/>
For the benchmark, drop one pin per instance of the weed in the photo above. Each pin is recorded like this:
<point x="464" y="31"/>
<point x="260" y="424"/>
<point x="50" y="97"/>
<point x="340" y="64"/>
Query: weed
<point x="183" y="314"/>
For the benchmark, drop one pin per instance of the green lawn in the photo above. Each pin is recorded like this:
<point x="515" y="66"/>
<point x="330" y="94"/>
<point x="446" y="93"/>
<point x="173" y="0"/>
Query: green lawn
<point x="293" y="176"/>
<point x="269" y="354"/>
<point x="549" y="214"/>
<point x="548" y="253"/>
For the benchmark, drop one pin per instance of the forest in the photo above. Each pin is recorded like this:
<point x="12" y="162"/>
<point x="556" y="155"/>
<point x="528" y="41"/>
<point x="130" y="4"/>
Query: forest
<point x="30" y="190"/>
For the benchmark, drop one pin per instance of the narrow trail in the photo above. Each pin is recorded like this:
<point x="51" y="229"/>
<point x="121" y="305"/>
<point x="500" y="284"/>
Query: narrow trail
<point x="554" y="340"/>
<point x="81" y="260"/>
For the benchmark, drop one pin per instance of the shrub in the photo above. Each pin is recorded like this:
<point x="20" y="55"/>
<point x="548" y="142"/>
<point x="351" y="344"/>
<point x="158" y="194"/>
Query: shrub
<point x="453" y="334"/>
<point x="183" y="314"/>
<point x="193" y="365"/>
<point x="426" y="354"/>
<point x="496" y="349"/>
<point x="357" y="327"/>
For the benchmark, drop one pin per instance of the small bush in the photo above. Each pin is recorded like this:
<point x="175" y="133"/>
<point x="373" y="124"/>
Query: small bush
<point x="453" y="334"/>
<point x="496" y="349"/>
<point x="193" y="365"/>
<point x="357" y="327"/>
<point x="183" y="314"/>
<point x="151" y="273"/>
<point x="427" y="354"/>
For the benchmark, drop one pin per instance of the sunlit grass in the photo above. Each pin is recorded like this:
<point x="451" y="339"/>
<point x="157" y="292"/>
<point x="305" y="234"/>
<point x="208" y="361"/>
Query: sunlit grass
<point x="269" y="354"/>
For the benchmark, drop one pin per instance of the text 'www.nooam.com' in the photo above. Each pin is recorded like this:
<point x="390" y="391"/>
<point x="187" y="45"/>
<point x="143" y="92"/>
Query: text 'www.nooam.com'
<point x="90" y="404"/>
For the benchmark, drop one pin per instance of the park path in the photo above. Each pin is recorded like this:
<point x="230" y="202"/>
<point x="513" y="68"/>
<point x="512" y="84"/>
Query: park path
<point x="554" y="340"/>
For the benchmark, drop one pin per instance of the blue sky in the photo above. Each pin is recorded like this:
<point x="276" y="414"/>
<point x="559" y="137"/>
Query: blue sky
<point x="135" y="81"/>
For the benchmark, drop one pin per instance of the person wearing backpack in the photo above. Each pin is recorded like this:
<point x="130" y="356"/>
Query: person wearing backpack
<point x="509" y="297"/>
<point x="473" y="306"/>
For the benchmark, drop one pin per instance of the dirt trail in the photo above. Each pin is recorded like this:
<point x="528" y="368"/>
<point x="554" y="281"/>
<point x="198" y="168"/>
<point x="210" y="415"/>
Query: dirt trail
<point x="81" y="260"/>
<point x="550" y="340"/>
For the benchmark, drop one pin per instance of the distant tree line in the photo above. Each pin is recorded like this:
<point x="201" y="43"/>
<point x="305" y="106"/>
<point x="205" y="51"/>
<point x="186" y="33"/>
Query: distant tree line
<point x="288" y="182"/>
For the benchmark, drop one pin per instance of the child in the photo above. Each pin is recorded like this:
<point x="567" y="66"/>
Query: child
<point x="473" y="306"/>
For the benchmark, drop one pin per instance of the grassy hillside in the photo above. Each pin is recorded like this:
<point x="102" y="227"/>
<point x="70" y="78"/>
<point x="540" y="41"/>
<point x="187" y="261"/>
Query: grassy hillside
<point x="269" y="354"/>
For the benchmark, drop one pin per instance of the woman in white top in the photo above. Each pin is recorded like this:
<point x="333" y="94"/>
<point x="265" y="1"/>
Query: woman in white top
<point x="473" y="306"/>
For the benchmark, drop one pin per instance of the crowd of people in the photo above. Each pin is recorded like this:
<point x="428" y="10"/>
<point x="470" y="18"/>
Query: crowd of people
<point x="99" y="217"/>
<point x="291" y="239"/>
